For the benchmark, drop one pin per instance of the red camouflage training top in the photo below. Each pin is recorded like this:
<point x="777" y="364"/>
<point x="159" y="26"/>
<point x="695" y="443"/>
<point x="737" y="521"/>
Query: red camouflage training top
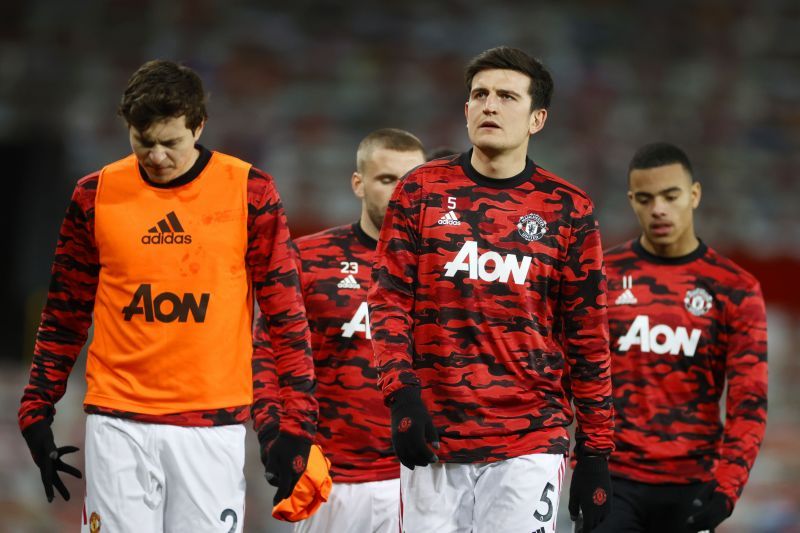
<point x="488" y="294"/>
<point x="679" y="328"/>
<point x="354" y="430"/>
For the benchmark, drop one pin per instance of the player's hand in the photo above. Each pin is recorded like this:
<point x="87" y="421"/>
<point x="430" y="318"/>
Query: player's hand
<point x="590" y="491"/>
<point x="266" y="438"/>
<point x="39" y="437"/>
<point x="413" y="434"/>
<point x="710" y="509"/>
<point x="285" y="463"/>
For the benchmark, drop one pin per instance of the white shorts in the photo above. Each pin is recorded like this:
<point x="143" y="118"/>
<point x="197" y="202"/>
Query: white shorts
<point x="515" y="495"/>
<point x="159" y="477"/>
<point x="370" y="507"/>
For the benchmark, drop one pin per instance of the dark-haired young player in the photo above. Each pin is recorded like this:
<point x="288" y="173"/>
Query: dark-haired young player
<point x="488" y="290"/>
<point x="163" y="251"/>
<point x="685" y="321"/>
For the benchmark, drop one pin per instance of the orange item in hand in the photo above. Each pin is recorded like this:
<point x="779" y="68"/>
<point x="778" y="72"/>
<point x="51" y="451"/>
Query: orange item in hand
<point x="311" y="491"/>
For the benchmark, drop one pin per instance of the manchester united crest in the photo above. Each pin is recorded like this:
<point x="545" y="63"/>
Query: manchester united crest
<point x="698" y="301"/>
<point x="94" y="523"/>
<point x="299" y="464"/>
<point x="532" y="227"/>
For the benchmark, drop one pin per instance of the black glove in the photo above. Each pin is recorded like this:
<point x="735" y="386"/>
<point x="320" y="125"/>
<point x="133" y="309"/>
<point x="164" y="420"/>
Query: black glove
<point x="285" y="463"/>
<point x="412" y="429"/>
<point x="590" y="491"/>
<point x="710" y="509"/>
<point x="266" y="437"/>
<point x="47" y="457"/>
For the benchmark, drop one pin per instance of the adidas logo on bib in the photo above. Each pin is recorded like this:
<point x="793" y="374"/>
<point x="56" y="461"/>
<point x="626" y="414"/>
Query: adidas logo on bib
<point x="168" y="230"/>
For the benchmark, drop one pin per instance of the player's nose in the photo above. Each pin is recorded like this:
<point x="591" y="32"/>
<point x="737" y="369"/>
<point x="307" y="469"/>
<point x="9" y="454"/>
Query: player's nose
<point x="156" y="155"/>
<point x="659" y="207"/>
<point x="490" y="104"/>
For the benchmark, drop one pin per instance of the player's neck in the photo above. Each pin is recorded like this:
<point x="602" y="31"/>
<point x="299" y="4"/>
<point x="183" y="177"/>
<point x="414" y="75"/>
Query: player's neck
<point x="499" y="165"/>
<point x="186" y="168"/>
<point x="368" y="227"/>
<point x="685" y="245"/>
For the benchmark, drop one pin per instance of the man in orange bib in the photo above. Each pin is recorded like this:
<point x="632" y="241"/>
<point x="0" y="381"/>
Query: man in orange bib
<point x="164" y="250"/>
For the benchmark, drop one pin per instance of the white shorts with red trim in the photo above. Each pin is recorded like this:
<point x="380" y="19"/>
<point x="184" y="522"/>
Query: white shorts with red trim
<point x="159" y="477"/>
<point x="517" y="494"/>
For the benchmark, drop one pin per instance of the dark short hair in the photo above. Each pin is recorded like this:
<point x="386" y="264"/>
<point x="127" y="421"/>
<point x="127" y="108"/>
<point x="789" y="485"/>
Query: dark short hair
<point x="505" y="57"/>
<point x="659" y="154"/>
<point x="161" y="90"/>
<point x="390" y="139"/>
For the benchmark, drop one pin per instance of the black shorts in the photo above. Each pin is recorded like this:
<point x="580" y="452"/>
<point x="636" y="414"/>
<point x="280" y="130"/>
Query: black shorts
<point x="646" y="508"/>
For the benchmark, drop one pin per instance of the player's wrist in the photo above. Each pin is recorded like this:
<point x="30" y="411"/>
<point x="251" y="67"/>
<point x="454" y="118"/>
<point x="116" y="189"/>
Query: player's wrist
<point x="726" y="500"/>
<point x="720" y="495"/>
<point x="267" y="435"/>
<point x="406" y="395"/>
<point x="582" y="450"/>
<point x="39" y="438"/>
<point x="293" y="439"/>
<point x="38" y="427"/>
<point x="594" y="466"/>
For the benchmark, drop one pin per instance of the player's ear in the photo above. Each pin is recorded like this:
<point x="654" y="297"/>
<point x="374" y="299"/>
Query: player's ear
<point x="198" y="131"/>
<point x="538" y="118"/>
<point x="631" y="200"/>
<point x="357" y="182"/>
<point x="697" y="193"/>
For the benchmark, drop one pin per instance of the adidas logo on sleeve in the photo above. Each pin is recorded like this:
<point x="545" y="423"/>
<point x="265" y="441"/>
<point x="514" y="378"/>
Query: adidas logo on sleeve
<point x="168" y="230"/>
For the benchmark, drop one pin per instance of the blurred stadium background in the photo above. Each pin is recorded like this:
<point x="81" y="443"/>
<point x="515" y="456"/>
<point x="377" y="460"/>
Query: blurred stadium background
<point x="295" y="87"/>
